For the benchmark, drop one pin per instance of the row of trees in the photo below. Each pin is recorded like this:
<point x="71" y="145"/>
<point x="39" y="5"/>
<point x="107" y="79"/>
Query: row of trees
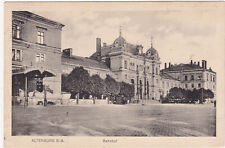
<point x="179" y="95"/>
<point x="80" y="83"/>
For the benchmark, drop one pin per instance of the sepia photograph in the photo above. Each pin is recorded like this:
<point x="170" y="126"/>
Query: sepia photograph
<point x="114" y="69"/>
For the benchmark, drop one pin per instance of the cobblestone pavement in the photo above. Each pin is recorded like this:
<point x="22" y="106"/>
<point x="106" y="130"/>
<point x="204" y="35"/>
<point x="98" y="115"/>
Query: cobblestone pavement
<point x="116" y="120"/>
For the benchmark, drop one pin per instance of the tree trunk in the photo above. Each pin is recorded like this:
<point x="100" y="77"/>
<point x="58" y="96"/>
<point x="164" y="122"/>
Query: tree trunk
<point x="78" y="98"/>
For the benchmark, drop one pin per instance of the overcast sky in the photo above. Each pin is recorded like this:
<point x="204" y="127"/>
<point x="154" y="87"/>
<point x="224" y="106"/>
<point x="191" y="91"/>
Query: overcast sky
<point x="179" y="35"/>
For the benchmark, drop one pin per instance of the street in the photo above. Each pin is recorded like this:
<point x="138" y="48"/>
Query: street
<point x="116" y="120"/>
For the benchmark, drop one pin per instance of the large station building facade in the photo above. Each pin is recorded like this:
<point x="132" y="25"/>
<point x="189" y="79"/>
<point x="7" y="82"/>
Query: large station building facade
<point x="37" y="58"/>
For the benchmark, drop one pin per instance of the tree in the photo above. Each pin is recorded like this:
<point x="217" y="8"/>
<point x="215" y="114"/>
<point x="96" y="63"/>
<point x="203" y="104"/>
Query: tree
<point x="210" y="94"/>
<point x="127" y="90"/>
<point x="176" y="93"/>
<point x="98" y="86"/>
<point x="78" y="81"/>
<point x="112" y="87"/>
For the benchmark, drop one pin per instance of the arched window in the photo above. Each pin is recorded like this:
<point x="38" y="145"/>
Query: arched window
<point x="132" y="81"/>
<point x="185" y="78"/>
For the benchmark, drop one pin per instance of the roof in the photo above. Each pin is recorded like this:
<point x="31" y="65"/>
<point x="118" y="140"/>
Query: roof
<point x="122" y="46"/>
<point x="31" y="15"/>
<point x="166" y="76"/>
<point x="86" y="62"/>
<point x="152" y="53"/>
<point x="120" y="41"/>
<point x="184" y="67"/>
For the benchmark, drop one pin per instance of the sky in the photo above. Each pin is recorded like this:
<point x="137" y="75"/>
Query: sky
<point x="178" y="35"/>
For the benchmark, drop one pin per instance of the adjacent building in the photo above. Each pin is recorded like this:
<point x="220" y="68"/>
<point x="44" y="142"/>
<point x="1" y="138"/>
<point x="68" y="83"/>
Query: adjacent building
<point x="190" y="76"/>
<point x="36" y="53"/>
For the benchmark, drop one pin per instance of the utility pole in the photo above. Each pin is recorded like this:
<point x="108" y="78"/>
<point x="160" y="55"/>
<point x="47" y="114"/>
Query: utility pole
<point x="202" y="95"/>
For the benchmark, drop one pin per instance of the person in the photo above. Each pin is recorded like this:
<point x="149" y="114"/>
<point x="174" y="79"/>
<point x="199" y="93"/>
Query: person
<point x="21" y="96"/>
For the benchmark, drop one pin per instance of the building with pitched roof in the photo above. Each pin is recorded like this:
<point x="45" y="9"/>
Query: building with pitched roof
<point x="36" y="53"/>
<point x="128" y="63"/>
<point x="123" y="61"/>
<point x="192" y="76"/>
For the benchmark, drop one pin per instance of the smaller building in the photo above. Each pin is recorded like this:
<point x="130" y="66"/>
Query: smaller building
<point x="36" y="53"/>
<point x="191" y="76"/>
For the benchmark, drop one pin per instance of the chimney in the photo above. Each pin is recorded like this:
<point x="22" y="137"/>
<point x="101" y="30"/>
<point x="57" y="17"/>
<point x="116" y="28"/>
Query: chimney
<point x="104" y="44"/>
<point x="205" y="64"/>
<point x="191" y="62"/>
<point x="198" y="63"/>
<point x="67" y="52"/>
<point x="165" y="65"/>
<point x="98" y="48"/>
<point x="169" y="64"/>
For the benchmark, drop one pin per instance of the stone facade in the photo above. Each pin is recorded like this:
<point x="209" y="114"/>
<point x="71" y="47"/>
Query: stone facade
<point x="36" y="44"/>
<point x="193" y="75"/>
<point x="127" y="62"/>
<point x="124" y="62"/>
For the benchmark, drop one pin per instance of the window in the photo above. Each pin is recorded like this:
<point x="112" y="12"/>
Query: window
<point x="16" y="55"/>
<point x="214" y="78"/>
<point x="163" y="84"/>
<point x="211" y="78"/>
<point x="40" y="57"/>
<point x="186" y="85"/>
<point x="157" y="81"/>
<point x="192" y="77"/>
<point x="199" y="85"/>
<point x="13" y="54"/>
<point x="125" y="64"/>
<point x="132" y="81"/>
<point x="199" y="77"/>
<point x="207" y="77"/>
<point x="192" y="86"/>
<point x="16" y="30"/>
<point x="40" y="37"/>
<point x="185" y="78"/>
<point x="156" y="71"/>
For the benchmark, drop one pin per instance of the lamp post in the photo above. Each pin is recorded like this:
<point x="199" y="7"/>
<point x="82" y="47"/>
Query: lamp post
<point x="25" y="93"/>
<point x="144" y="82"/>
<point x="45" y="93"/>
<point x="202" y="95"/>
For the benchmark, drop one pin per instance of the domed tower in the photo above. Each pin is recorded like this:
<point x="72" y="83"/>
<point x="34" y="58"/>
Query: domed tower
<point x="119" y="42"/>
<point x="152" y="53"/>
<point x="153" y="56"/>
